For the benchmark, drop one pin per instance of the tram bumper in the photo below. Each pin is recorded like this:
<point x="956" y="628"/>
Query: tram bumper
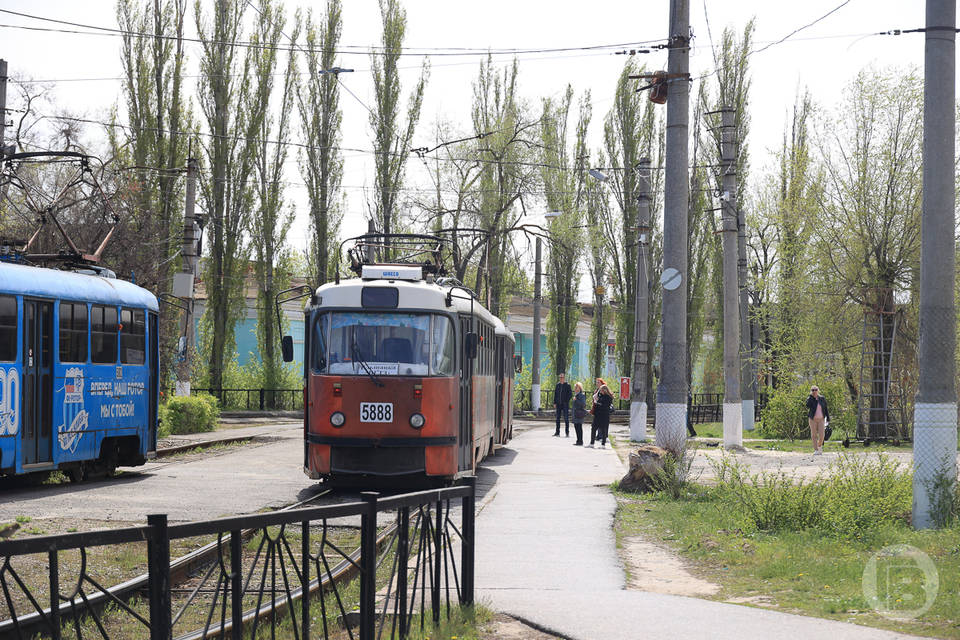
<point x="432" y="456"/>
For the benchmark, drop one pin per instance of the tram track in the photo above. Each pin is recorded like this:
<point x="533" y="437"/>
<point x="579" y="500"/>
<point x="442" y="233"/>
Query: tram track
<point x="181" y="570"/>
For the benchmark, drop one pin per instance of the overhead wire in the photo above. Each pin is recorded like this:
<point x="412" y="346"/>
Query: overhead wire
<point x="364" y="50"/>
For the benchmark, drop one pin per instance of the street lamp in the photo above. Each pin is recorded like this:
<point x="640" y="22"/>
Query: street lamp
<point x="599" y="175"/>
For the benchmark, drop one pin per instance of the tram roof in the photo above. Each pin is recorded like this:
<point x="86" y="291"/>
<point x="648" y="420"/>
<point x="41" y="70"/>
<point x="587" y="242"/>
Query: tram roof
<point x="51" y="283"/>
<point x="412" y="294"/>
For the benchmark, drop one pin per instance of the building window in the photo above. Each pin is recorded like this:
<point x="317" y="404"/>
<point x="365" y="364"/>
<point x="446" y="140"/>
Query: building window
<point x="133" y="336"/>
<point x="8" y="328"/>
<point x="103" y="335"/>
<point x="73" y="332"/>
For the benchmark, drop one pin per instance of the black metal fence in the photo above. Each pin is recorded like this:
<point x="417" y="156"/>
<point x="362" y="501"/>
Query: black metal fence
<point x="290" y="576"/>
<point x="256" y="399"/>
<point x="704" y="408"/>
<point x="708" y="407"/>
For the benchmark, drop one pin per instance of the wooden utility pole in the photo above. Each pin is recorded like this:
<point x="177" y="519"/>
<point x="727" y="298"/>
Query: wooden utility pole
<point x="183" y="281"/>
<point x="641" y="309"/>
<point x="732" y="409"/>
<point x="671" y="416"/>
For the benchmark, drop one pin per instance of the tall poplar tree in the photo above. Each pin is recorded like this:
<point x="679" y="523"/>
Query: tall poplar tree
<point x="633" y="129"/>
<point x="321" y="161"/>
<point x="271" y="220"/>
<point x="234" y="103"/>
<point x="391" y="134"/>
<point x="157" y="116"/>
<point x="562" y="174"/>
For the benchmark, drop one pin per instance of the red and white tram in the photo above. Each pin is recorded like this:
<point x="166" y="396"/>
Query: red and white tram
<point x="407" y="377"/>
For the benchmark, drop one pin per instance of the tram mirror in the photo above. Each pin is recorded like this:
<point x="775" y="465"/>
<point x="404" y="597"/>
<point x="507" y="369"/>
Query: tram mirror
<point x="286" y="345"/>
<point x="518" y="363"/>
<point x="471" y="345"/>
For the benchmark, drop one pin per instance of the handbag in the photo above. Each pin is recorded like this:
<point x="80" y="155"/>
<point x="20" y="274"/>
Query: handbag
<point x="593" y="410"/>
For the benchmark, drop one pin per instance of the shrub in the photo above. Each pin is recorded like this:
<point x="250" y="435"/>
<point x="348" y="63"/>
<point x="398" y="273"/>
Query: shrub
<point x="862" y="493"/>
<point x="785" y="415"/>
<point x="768" y="501"/>
<point x="189" y="414"/>
<point x="854" y="497"/>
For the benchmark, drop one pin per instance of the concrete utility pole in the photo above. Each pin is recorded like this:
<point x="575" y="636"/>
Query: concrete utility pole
<point x="671" y="417"/>
<point x="641" y="309"/>
<point x="935" y="411"/>
<point x="748" y="356"/>
<point x="183" y="281"/>
<point x="535" y="371"/>
<point x="3" y="108"/>
<point x="732" y="409"/>
<point x="371" y="250"/>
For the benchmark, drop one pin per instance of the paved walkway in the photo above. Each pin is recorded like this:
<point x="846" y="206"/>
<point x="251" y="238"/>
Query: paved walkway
<point x="547" y="554"/>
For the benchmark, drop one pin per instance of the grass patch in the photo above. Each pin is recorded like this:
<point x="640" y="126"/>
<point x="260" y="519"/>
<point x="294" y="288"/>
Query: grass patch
<point x="804" y="547"/>
<point x="464" y="624"/>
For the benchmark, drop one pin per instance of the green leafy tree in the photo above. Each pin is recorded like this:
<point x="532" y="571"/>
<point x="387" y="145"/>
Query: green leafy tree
<point x="869" y="228"/>
<point x="234" y="103"/>
<point x="633" y="129"/>
<point x="391" y="136"/>
<point x="155" y="140"/>
<point x="563" y="175"/>
<point x="268" y="228"/>
<point x="321" y="161"/>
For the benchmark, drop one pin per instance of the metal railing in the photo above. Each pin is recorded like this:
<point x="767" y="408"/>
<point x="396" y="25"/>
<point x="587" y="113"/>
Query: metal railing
<point x="705" y="407"/>
<point x="292" y="578"/>
<point x="256" y="399"/>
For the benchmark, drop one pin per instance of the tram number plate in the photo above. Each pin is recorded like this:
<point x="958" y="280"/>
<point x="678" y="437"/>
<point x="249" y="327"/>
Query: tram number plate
<point x="376" y="412"/>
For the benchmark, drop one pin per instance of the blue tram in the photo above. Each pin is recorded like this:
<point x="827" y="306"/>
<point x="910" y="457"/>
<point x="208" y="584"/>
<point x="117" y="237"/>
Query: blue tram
<point x="78" y="372"/>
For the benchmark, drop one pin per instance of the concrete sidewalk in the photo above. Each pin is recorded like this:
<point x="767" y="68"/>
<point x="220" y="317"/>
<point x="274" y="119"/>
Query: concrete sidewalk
<point x="546" y="553"/>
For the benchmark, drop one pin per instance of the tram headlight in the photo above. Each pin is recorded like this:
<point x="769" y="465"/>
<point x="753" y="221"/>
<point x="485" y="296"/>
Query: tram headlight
<point x="337" y="419"/>
<point x="417" y="420"/>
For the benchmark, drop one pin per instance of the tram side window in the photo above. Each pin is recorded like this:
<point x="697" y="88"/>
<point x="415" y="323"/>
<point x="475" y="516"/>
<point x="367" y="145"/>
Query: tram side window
<point x="73" y="332"/>
<point x="103" y="335"/>
<point x="133" y="336"/>
<point x="8" y="328"/>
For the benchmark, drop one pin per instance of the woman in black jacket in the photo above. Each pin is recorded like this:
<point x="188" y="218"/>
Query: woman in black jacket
<point x="579" y="412"/>
<point x="602" y="406"/>
<point x="818" y="416"/>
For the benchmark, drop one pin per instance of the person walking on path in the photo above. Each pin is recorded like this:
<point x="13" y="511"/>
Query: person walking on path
<point x="579" y="412"/>
<point x="561" y="401"/>
<point x="602" y="405"/>
<point x="818" y="415"/>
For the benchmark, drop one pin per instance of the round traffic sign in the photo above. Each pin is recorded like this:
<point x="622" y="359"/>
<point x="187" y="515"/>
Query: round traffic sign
<point x="670" y="279"/>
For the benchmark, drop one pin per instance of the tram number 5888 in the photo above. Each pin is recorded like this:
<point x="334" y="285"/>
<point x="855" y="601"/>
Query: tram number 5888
<point x="376" y="412"/>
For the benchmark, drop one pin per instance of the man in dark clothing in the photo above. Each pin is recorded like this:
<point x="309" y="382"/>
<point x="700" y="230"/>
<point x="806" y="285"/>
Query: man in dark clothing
<point x="561" y="402"/>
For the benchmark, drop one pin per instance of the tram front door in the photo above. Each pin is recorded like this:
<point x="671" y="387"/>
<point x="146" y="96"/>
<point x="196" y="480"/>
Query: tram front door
<point x="37" y="437"/>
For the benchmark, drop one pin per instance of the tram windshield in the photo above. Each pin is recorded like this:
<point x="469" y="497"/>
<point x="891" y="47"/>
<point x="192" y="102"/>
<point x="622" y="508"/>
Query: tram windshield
<point x="383" y="344"/>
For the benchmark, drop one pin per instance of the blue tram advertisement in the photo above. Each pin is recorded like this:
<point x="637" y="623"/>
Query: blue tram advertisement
<point x="78" y="372"/>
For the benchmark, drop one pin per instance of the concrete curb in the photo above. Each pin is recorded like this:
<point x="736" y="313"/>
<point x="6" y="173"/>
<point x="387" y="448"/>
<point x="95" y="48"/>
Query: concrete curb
<point x="201" y="444"/>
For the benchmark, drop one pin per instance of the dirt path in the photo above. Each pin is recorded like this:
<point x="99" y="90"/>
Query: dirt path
<point x="651" y="567"/>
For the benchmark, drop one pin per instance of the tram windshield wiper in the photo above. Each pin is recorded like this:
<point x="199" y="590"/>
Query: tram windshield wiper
<point x="355" y="354"/>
